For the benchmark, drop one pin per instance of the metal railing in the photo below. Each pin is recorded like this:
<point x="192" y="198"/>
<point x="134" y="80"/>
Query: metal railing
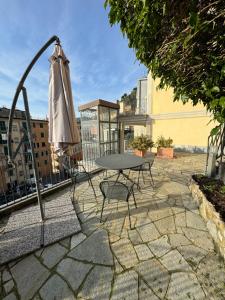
<point x="17" y="181"/>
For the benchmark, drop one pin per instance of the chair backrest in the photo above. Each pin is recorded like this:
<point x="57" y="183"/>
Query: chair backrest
<point x="114" y="190"/>
<point x="150" y="159"/>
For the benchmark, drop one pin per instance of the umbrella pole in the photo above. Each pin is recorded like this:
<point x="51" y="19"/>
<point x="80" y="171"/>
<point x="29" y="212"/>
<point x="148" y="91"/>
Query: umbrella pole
<point x="29" y="133"/>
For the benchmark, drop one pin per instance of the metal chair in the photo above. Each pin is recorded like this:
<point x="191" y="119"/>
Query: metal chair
<point x="77" y="173"/>
<point x="146" y="167"/>
<point x="118" y="191"/>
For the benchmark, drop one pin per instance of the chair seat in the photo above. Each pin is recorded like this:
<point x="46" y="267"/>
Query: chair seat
<point x="81" y="176"/>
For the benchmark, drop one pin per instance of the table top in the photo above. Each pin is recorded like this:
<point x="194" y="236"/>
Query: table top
<point x="119" y="161"/>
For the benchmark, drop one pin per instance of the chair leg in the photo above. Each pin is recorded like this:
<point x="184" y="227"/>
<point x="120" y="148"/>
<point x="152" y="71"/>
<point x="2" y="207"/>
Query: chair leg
<point x="143" y="176"/>
<point x="103" y="203"/>
<point x="74" y="186"/>
<point x="134" y="199"/>
<point x="92" y="187"/>
<point x="129" y="212"/>
<point x="139" y="176"/>
<point x="152" y="181"/>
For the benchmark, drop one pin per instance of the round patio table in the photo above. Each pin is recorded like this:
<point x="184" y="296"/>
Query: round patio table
<point x="120" y="162"/>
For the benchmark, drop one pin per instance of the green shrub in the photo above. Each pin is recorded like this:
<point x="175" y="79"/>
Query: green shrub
<point x="142" y="142"/>
<point x="165" y="143"/>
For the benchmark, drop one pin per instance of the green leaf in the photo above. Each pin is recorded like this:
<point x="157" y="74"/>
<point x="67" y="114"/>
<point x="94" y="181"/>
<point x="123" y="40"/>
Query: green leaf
<point x="223" y="71"/>
<point x="193" y="21"/>
<point x="222" y="101"/>
<point x="215" y="130"/>
<point x="164" y="9"/>
<point x="215" y="89"/>
<point x="105" y="4"/>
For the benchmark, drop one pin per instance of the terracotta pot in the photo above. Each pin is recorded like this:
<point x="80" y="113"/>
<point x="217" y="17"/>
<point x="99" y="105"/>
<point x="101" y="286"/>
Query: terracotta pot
<point x="140" y="153"/>
<point x="165" y="152"/>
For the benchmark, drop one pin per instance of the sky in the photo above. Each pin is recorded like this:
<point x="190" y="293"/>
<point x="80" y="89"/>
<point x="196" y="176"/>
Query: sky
<point x="102" y="66"/>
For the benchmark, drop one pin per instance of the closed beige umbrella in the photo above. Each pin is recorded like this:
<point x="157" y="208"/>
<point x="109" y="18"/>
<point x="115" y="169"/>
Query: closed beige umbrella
<point x="63" y="129"/>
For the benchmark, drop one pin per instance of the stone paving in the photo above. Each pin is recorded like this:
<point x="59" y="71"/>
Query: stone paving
<point x="168" y="254"/>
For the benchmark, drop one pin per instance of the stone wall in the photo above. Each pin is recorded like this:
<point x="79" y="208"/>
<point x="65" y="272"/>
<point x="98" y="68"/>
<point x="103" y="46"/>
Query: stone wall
<point x="213" y="220"/>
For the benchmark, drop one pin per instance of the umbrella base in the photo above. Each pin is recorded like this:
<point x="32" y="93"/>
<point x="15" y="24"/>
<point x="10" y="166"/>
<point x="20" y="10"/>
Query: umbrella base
<point x="24" y="233"/>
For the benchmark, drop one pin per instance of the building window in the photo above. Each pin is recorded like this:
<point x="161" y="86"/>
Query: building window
<point x="34" y="125"/>
<point x="42" y="134"/>
<point x="34" y="145"/>
<point x="10" y="172"/>
<point x="42" y="153"/>
<point x="41" y="125"/>
<point x="38" y="145"/>
<point x="36" y="154"/>
<point x="38" y="164"/>
<point x="3" y="138"/>
<point x="5" y="150"/>
<point x="46" y="152"/>
<point x="21" y="173"/>
<point x="30" y="167"/>
<point x="31" y="175"/>
<point x="2" y="126"/>
<point x="43" y="144"/>
<point x="46" y="162"/>
<point x="16" y="140"/>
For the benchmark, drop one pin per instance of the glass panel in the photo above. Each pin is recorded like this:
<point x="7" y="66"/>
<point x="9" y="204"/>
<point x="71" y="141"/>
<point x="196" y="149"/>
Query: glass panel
<point x="113" y="115"/>
<point x="104" y="148"/>
<point x="114" y="132"/>
<point x="114" y="147"/>
<point x="104" y="113"/>
<point x="89" y="132"/>
<point x="104" y="132"/>
<point x="89" y="114"/>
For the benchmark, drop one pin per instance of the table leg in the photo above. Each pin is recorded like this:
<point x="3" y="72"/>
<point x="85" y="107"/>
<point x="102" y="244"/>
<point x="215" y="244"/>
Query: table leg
<point x="128" y="178"/>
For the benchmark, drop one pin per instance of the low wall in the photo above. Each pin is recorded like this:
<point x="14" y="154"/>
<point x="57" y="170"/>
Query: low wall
<point x="213" y="220"/>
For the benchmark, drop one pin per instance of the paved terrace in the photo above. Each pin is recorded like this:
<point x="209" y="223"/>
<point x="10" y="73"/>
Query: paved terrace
<point x="168" y="255"/>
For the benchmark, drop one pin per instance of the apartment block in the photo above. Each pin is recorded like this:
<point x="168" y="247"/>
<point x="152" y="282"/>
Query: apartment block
<point x="22" y="172"/>
<point x="42" y="147"/>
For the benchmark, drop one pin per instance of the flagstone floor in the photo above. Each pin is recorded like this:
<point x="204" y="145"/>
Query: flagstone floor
<point x="168" y="254"/>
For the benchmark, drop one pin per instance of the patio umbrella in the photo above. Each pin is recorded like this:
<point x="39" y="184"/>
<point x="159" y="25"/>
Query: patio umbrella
<point x="63" y="129"/>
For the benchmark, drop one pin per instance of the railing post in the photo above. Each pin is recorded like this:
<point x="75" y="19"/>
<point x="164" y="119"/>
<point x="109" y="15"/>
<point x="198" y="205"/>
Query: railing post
<point x="30" y="137"/>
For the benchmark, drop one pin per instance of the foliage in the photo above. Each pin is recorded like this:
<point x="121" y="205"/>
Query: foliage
<point x="162" y="142"/>
<point x="181" y="42"/>
<point x="130" y="99"/>
<point x="142" y="142"/>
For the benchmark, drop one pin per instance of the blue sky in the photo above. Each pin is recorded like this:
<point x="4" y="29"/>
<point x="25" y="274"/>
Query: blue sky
<point x="101" y="64"/>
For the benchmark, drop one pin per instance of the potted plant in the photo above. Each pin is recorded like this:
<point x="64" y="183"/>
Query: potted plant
<point x="141" y="144"/>
<point x="164" y="147"/>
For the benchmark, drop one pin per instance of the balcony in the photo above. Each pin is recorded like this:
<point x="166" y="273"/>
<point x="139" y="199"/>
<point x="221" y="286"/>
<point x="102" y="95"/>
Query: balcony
<point x="168" y="254"/>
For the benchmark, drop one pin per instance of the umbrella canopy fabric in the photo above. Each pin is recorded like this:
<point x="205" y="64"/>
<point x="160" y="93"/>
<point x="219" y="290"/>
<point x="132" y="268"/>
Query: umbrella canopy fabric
<point x="63" y="129"/>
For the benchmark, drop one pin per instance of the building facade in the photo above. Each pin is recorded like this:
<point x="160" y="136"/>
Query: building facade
<point x="42" y="147"/>
<point x="22" y="173"/>
<point x="189" y="126"/>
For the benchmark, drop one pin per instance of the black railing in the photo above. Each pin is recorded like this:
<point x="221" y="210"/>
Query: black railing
<point x="17" y="181"/>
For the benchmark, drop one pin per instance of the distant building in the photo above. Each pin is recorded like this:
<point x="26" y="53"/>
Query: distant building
<point x="42" y="147"/>
<point x="141" y="107"/>
<point x="189" y="126"/>
<point x="11" y="178"/>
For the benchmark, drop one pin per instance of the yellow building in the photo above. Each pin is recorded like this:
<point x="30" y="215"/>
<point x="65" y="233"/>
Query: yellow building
<point x="189" y="126"/>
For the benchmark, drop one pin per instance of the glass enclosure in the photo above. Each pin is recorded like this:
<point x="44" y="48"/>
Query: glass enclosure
<point x="99" y="129"/>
